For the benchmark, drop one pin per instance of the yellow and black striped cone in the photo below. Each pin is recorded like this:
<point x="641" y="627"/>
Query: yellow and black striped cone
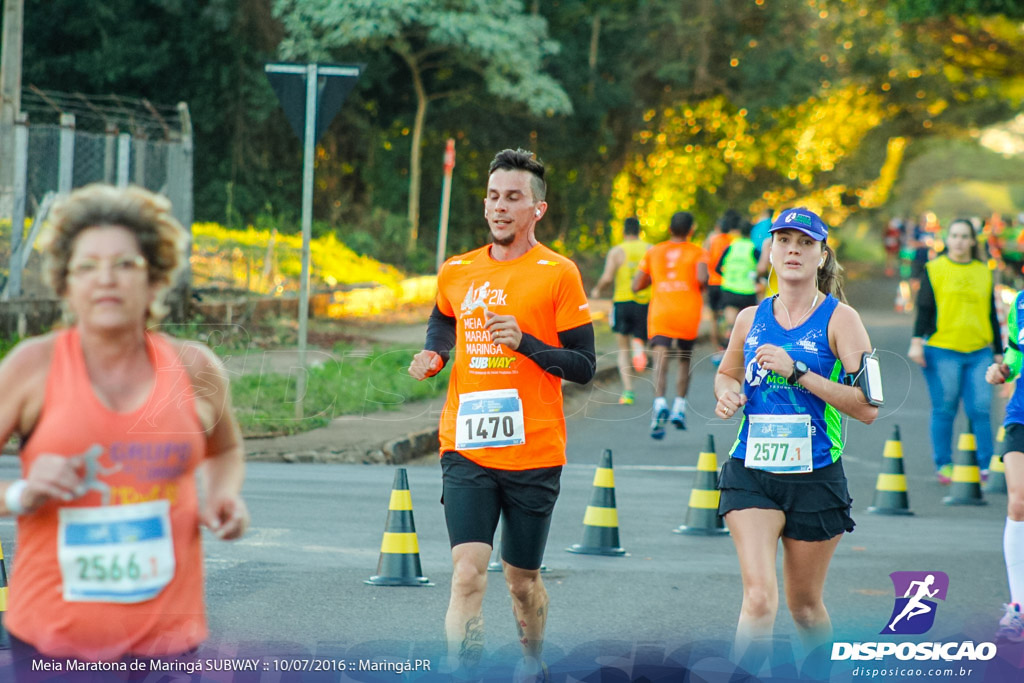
<point x="702" y="518"/>
<point x="996" y="469"/>
<point x="601" y="521"/>
<point x="966" y="486"/>
<point x="5" y="642"/>
<point x="399" y="563"/>
<point x="891" y="486"/>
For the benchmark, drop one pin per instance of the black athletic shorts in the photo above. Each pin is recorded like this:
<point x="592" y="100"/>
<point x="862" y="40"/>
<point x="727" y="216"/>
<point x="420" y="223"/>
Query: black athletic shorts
<point x="475" y="496"/>
<point x="740" y="301"/>
<point x="1013" y="438"/>
<point x="685" y="346"/>
<point x="816" y="504"/>
<point x="715" y="298"/>
<point x="629" y="317"/>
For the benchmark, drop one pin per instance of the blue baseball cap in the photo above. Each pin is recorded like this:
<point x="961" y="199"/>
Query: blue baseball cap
<point x="803" y="220"/>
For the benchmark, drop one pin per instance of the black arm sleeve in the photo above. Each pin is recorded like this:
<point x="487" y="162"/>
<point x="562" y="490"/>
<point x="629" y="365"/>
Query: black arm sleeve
<point x="721" y="260"/>
<point x="576" y="361"/>
<point x="997" y="333"/>
<point x="925" y="323"/>
<point x="440" y="333"/>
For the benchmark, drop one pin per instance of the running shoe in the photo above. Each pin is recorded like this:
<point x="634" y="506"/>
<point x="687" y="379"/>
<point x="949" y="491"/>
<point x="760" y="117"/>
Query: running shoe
<point x="984" y="476"/>
<point x="716" y="358"/>
<point x="945" y="474"/>
<point x="678" y="419"/>
<point x="627" y="398"/>
<point x="658" y="423"/>
<point x="1011" y="626"/>
<point x="639" y="360"/>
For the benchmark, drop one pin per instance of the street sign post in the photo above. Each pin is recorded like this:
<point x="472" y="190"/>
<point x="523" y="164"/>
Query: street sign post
<point x="446" y="196"/>
<point x="311" y="95"/>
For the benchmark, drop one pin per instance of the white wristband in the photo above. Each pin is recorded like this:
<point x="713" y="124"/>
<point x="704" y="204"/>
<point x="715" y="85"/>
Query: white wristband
<point x="12" y="497"/>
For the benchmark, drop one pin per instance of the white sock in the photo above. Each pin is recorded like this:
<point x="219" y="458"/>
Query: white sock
<point x="679" y="405"/>
<point x="660" y="403"/>
<point x="1013" y="552"/>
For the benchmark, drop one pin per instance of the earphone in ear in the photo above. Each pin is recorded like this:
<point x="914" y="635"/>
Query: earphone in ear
<point x="536" y="212"/>
<point x="821" y="262"/>
<point x="770" y="260"/>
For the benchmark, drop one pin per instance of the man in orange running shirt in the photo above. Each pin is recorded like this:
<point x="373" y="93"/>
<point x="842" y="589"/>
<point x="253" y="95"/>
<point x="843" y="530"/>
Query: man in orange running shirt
<point x="518" y="317"/>
<point x="677" y="272"/>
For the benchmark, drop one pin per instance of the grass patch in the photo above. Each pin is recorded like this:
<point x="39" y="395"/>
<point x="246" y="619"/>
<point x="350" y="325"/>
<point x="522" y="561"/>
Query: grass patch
<point x="354" y="381"/>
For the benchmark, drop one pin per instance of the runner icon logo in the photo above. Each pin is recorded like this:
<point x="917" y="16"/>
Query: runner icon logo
<point x="914" y="609"/>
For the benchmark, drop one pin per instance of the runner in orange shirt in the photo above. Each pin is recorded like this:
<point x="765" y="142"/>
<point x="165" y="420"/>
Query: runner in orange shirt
<point x="715" y="245"/>
<point x="677" y="271"/>
<point x="518" y="317"/>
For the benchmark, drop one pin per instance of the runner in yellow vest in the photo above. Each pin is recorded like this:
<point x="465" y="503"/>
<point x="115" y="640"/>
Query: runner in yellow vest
<point x="629" y="309"/>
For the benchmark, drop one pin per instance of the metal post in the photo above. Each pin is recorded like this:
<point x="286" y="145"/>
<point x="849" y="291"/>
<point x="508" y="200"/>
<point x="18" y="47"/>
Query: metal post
<point x="139" y="167"/>
<point x="185" y="201"/>
<point x="110" y="154"/>
<point x="124" y="158"/>
<point x="13" y="288"/>
<point x="308" y="153"/>
<point x="446" y="197"/>
<point x="66" y="166"/>
<point x="10" y="91"/>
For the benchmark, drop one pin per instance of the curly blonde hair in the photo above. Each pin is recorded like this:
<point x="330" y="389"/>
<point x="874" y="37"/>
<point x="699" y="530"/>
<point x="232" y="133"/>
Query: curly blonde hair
<point x="145" y="214"/>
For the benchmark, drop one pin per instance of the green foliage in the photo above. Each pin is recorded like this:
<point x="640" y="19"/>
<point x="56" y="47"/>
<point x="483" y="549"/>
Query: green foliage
<point x="8" y="343"/>
<point x="947" y="163"/>
<point x="494" y="72"/>
<point x="910" y="10"/>
<point x="354" y="382"/>
<point x="459" y="36"/>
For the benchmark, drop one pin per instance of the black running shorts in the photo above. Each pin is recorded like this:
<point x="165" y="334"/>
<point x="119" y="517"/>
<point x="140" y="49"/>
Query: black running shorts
<point x="684" y="346"/>
<point x="629" y="317"/>
<point x="1013" y="438"/>
<point x="475" y="496"/>
<point x="816" y="504"/>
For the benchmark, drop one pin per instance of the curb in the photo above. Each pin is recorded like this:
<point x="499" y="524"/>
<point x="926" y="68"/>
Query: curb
<point x="403" y="449"/>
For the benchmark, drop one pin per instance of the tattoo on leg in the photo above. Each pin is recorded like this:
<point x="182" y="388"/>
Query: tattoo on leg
<point x="473" y="644"/>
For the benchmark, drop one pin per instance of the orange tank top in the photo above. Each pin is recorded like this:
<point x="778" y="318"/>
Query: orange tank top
<point x="119" y="570"/>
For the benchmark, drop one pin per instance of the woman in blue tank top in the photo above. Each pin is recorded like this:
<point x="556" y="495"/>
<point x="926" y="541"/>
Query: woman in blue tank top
<point x="782" y="374"/>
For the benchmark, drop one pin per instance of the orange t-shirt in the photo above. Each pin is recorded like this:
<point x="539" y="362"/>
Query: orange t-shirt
<point x="544" y="292"/>
<point x="717" y="247"/>
<point x="134" y="462"/>
<point x="676" y="300"/>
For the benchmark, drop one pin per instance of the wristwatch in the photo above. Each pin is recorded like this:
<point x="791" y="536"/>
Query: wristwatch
<point x="799" y="370"/>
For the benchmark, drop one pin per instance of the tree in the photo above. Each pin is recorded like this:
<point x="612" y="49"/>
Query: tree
<point x="448" y="46"/>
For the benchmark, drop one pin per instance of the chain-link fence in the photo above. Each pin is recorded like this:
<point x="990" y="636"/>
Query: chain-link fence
<point x="61" y="142"/>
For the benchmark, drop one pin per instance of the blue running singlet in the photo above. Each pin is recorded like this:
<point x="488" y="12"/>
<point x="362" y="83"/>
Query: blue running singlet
<point x="770" y="394"/>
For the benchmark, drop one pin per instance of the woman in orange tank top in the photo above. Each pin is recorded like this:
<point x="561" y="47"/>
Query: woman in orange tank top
<point x="114" y="421"/>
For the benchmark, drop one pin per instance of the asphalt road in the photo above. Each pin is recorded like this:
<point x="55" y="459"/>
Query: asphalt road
<point x="293" y="588"/>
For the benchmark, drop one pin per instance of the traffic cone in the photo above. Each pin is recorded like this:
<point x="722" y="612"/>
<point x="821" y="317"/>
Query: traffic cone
<point x="399" y="563"/>
<point x="702" y="518"/>
<point x="601" y="521"/>
<point x="5" y="642"/>
<point x="966" y="486"/>
<point x="996" y="469"/>
<point x="891" y="487"/>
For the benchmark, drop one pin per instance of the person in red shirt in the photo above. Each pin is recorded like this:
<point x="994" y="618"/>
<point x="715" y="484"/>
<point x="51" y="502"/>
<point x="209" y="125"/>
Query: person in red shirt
<point x="518" y="317"/>
<point x="676" y="271"/>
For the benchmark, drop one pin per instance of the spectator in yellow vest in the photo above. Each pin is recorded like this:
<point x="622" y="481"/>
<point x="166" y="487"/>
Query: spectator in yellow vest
<point x="956" y="335"/>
